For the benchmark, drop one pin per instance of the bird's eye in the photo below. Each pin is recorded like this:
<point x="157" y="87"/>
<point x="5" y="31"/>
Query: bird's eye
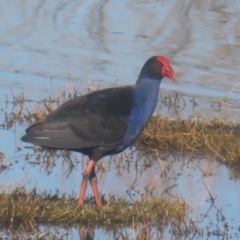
<point x="158" y="63"/>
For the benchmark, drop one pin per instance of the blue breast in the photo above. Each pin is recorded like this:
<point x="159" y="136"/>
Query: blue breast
<point x="145" y="98"/>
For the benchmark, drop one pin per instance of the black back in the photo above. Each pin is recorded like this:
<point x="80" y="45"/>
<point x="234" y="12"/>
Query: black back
<point x="92" y="124"/>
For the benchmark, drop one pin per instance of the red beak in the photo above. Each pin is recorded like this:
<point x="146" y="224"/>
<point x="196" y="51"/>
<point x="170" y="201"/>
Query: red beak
<point x="168" y="72"/>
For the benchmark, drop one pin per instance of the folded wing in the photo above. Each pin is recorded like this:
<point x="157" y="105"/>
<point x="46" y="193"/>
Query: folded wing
<point x="98" y="119"/>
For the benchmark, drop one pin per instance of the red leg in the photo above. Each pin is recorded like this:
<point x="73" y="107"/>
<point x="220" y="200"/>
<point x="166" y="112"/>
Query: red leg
<point x="93" y="182"/>
<point x="86" y="175"/>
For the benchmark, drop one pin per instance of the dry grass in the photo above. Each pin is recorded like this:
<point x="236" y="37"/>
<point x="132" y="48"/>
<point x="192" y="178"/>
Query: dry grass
<point x="20" y="208"/>
<point x="217" y="138"/>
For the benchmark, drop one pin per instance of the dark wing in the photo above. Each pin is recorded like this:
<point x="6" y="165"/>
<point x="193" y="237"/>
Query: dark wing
<point x="96" y="119"/>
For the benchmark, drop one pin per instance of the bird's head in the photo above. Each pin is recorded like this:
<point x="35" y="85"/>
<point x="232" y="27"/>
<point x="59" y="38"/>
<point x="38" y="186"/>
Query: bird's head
<point x="158" y="67"/>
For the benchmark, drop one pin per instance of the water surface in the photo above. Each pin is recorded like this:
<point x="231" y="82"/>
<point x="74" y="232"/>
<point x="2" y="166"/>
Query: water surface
<point x="49" y="46"/>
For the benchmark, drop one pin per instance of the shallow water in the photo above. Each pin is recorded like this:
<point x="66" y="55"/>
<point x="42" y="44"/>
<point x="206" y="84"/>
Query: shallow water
<point x="49" y="46"/>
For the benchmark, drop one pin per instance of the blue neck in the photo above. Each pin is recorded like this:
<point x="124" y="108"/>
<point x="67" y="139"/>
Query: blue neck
<point x="146" y="91"/>
<point x="145" y="94"/>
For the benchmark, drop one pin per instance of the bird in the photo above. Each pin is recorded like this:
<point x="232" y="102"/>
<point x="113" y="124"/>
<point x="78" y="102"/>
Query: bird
<point x="103" y="122"/>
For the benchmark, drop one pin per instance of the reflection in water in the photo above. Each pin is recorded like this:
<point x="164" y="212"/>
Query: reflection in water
<point x="87" y="235"/>
<point x="195" y="180"/>
<point x="72" y="41"/>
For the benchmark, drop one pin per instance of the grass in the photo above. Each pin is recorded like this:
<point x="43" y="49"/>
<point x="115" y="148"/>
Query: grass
<point x="217" y="138"/>
<point x="30" y="209"/>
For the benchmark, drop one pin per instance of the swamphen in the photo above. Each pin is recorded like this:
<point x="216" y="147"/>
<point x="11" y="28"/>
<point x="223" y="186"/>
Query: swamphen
<point x="103" y="122"/>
